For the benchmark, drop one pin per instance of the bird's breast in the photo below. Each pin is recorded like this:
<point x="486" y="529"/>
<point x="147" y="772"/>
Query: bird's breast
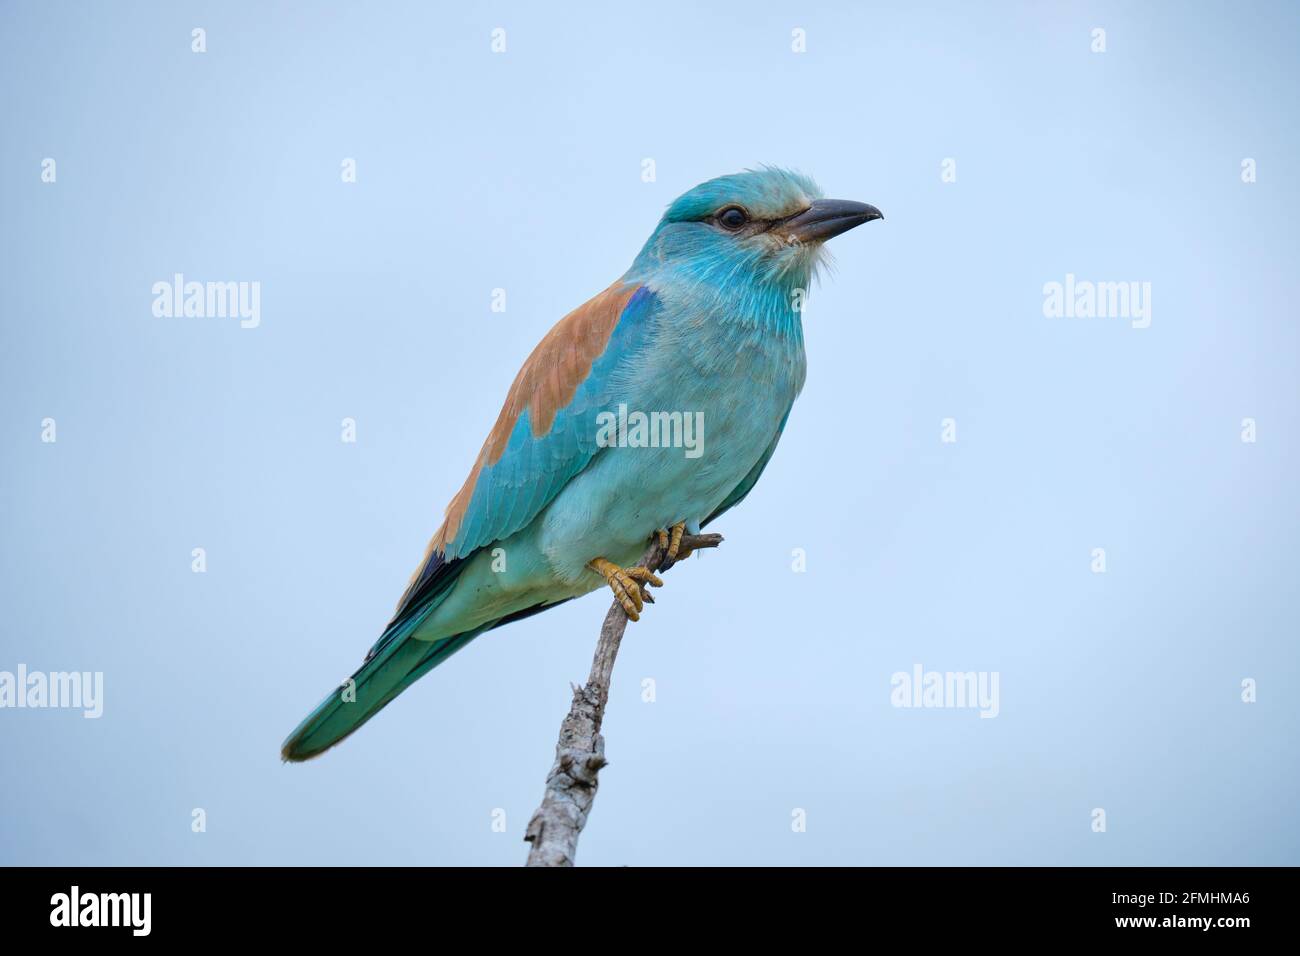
<point x="735" y="385"/>
<point x="689" y="418"/>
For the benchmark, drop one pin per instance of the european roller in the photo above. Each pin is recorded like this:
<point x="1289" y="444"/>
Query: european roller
<point x="650" y="410"/>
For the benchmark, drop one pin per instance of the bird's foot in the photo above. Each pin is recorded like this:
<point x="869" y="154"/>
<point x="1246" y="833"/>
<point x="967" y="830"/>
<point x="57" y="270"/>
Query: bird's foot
<point x="670" y="539"/>
<point x="626" y="584"/>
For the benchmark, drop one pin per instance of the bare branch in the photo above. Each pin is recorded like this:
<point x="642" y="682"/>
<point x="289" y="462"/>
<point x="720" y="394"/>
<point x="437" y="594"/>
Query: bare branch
<point x="580" y="751"/>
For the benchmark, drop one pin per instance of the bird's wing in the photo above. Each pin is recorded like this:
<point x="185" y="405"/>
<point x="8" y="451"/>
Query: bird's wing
<point x="738" y="493"/>
<point x="546" y="432"/>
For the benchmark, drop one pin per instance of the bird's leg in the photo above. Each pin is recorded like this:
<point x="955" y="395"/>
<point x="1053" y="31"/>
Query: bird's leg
<point x="626" y="584"/>
<point x="670" y="539"/>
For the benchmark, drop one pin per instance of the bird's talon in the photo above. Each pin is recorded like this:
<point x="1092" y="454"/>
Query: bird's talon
<point x="670" y="539"/>
<point x="628" y="585"/>
<point x="639" y="573"/>
<point x="675" y="544"/>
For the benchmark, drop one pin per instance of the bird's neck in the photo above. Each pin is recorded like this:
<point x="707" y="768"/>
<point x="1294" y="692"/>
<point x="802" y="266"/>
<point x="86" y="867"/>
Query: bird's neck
<point x="744" y="305"/>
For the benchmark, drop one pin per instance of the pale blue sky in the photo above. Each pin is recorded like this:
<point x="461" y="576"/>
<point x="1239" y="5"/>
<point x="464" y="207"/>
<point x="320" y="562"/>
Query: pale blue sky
<point x="522" y="171"/>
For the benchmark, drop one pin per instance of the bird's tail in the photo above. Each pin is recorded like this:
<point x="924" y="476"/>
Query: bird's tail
<point x="395" y="662"/>
<point x="381" y="678"/>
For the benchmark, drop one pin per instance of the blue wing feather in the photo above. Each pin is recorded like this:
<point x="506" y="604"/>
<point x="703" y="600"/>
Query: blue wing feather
<point x="512" y="491"/>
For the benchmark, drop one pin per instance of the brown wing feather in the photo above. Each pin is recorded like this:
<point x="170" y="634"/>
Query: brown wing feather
<point x="546" y="383"/>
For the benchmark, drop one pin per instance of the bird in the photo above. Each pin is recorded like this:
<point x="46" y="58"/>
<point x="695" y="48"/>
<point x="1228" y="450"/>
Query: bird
<point x="650" y="410"/>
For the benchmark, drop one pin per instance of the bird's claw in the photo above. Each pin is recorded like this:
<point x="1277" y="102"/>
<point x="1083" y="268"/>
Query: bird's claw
<point x="627" y="583"/>
<point x="670" y="539"/>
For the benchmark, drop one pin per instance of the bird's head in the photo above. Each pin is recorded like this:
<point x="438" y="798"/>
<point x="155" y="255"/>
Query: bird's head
<point x="766" y="226"/>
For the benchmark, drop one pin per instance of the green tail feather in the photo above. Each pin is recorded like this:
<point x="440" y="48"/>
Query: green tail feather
<point x="377" y="682"/>
<point x="395" y="662"/>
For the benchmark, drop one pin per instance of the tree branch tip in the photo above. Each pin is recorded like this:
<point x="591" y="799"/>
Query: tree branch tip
<point x="580" y="752"/>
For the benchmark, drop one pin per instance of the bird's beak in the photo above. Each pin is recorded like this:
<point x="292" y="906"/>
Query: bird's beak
<point x="827" y="218"/>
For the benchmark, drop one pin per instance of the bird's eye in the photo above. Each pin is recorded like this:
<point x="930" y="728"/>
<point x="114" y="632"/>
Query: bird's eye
<point x="733" y="217"/>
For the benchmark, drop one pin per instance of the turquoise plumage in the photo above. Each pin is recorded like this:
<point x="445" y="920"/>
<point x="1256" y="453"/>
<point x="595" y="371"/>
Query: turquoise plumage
<point x="704" y="329"/>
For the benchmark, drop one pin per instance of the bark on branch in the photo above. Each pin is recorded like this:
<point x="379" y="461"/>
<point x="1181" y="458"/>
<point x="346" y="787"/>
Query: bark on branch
<point x="580" y="751"/>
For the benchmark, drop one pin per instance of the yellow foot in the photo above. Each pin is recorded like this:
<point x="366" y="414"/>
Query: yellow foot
<point x="626" y="585"/>
<point x="671" y="540"/>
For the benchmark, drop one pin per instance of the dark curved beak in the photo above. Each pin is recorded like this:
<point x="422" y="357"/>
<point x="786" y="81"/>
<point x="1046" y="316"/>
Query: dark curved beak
<point x="827" y="218"/>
